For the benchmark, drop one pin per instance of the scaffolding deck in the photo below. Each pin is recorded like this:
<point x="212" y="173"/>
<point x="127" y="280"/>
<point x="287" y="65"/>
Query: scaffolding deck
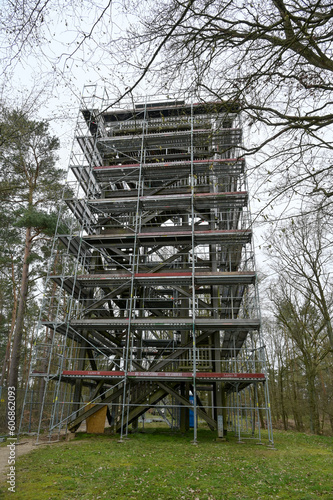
<point x="158" y="324"/>
<point x="178" y="278"/>
<point x="171" y="376"/>
<point x="179" y="201"/>
<point x="131" y="171"/>
<point x="171" y="237"/>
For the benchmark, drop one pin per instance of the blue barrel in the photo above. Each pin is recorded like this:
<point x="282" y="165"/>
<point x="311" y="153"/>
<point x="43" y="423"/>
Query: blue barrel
<point x="191" y="413"/>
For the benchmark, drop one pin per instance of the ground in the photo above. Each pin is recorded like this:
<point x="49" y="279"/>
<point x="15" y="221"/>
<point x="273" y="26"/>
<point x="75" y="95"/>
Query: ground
<point x="159" y="464"/>
<point x="24" y="447"/>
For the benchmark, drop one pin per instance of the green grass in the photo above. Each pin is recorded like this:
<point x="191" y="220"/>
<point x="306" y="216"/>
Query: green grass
<point x="162" y="465"/>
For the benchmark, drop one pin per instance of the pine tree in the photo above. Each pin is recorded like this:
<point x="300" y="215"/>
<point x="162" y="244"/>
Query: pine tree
<point x="30" y="189"/>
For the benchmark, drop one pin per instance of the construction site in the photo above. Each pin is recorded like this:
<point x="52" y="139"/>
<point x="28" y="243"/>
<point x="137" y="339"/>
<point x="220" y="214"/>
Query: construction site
<point x="151" y="300"/>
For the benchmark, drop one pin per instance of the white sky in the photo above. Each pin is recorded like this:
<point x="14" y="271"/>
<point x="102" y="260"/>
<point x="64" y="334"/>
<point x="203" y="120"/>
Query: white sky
<point x="47" y="73"/>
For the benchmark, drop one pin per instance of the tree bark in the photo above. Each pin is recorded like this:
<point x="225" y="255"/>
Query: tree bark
<point x="12" y="326"/>
<point x="313" y="404"/>
<point x="18" y="332"/>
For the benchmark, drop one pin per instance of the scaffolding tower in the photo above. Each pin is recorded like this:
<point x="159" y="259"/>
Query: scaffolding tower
<point x="151" y="297"/>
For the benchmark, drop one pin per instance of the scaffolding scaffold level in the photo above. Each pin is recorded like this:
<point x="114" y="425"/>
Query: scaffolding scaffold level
<point x="151" y="300"/>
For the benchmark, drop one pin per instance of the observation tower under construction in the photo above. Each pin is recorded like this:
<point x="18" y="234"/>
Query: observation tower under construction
<point x="151" y="299"/>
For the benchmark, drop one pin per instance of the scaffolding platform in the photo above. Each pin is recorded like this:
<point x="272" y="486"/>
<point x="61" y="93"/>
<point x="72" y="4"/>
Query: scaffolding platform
<point x="171" y="376"/>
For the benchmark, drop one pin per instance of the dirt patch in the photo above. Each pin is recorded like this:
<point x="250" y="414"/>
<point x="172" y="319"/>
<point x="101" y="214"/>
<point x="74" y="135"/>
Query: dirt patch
<point x="26" y="445"/>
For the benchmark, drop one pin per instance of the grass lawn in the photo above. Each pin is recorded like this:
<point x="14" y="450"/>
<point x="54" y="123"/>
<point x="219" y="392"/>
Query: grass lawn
<point x="163" y="465"/>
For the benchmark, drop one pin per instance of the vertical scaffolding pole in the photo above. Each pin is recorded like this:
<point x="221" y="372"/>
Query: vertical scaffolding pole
<point x="195" y="423"/>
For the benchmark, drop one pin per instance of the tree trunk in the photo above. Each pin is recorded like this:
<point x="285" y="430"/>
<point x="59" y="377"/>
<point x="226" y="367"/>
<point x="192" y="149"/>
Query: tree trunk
<point x="313" y="406"/>
<point x="18" y="332"/>
<point x="282" y="402"/>
<point x="14" y="311"/>
<point x="295" y="398"/>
